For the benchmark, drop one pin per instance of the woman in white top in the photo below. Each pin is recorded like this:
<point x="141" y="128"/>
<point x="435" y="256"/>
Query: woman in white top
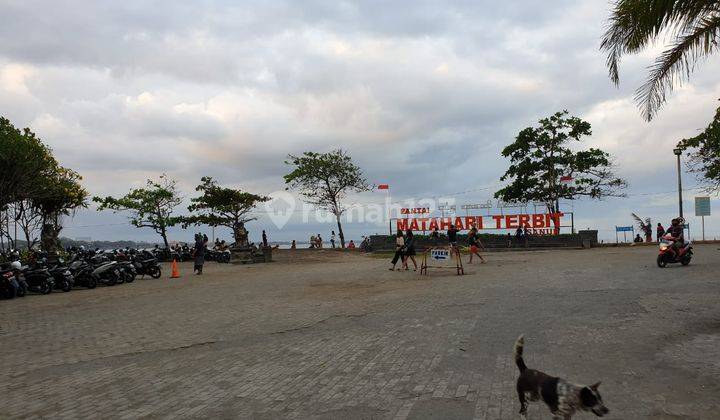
<point x="399" y="250"/>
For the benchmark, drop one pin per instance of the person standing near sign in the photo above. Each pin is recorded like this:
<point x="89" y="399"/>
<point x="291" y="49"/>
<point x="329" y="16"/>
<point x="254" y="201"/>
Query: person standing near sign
<point x="474" y="243"/>
<point x="452" y="236"/>
<point x="399" y="249"/>
<point x="410" y="249"/>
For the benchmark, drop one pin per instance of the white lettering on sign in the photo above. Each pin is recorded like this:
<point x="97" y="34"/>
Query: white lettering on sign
<point x="440" y="254"/>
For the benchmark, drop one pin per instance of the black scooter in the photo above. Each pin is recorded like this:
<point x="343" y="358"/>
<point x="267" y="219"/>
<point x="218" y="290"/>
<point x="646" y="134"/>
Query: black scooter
<point x="37" y="279"/>
<point x="146" y="264"/>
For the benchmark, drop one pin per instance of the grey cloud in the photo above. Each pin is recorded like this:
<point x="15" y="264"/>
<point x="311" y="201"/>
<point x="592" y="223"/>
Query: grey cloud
<point x="423" y="94"/>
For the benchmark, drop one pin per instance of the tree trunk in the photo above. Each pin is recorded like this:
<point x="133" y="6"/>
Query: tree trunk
<point x="49" y="237"/>
<point x="26" y="232"/>
<point x="340" y="232"/>
<point x="163" y="233"/>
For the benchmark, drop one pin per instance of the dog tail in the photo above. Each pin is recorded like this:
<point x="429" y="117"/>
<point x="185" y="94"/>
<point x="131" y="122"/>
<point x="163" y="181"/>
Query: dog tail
<point x="518" y="353"/>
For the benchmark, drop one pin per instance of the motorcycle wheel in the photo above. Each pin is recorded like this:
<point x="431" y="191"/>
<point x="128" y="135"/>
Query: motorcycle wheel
<point x="661" y="261"/>
<point x="120" y="279"/>
<point x="685" y="261"/>
<point x="66" y="287"/>
<point x="155" y="272"/>
<point x="111" y="281"/>
<point x="46" y="288"/>
<point x="130" y="278"/>
<point x="90" y="283"/>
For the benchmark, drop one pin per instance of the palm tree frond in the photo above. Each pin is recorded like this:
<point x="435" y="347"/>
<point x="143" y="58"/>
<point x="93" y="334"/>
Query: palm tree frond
<point x="636" y="23"/>
<point x="674" y="65"/>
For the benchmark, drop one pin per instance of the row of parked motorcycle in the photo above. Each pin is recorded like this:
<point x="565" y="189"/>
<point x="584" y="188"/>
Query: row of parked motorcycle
<point x="185" y="253"/>
<point x="42" y="274"/>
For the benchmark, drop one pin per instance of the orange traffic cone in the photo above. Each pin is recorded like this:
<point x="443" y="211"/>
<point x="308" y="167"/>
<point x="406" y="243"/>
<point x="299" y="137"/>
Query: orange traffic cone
<point x="175" y="272"/>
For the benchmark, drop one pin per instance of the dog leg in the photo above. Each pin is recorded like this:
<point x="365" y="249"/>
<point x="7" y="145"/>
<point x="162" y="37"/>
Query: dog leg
<point x="523" y="404"/>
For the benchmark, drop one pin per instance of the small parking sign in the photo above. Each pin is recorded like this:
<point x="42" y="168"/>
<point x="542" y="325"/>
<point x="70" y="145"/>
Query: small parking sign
<point x="440" y="254"/>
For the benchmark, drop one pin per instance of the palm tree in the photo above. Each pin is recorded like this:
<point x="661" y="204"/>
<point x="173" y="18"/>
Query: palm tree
<point x="635" y="24"/>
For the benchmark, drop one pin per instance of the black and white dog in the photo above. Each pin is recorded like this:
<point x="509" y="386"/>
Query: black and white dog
<point x="562" y="397"/>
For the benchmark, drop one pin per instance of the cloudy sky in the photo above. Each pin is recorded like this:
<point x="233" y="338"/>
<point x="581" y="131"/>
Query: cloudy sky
<point x="422" y="94"/>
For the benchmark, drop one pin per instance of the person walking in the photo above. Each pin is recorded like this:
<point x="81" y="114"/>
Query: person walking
<point x="264" y="239"/>
<point x="475" y="243"/>
<point x="332" y="239"/>
<point x="199" y="254"/>
<point x="409" y="249"/>
<point x="319" y="241"/>
<point x="399" y="249"/>
<point x="660" y="231"/>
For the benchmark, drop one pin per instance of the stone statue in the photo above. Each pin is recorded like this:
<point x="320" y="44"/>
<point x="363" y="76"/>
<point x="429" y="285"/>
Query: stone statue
<point x="241" y="235"/>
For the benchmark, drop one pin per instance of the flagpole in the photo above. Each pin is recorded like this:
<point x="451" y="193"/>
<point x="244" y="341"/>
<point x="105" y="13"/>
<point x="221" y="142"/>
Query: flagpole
<point x="387" y="204"/>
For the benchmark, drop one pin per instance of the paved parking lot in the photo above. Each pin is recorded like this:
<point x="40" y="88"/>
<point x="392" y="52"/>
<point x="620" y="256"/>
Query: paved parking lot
<point x="328" y="336"/>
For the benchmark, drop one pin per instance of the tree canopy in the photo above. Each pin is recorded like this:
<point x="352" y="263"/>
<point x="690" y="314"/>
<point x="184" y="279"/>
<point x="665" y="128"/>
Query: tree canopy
<point x="325" y="179"/>
<point x="222" y="206"/>
<point x="35" y="190"/>
<point x="149" y="207"/>
<point x="635" y="25"/>
<point x="540" y="156"/>
<point x="705" y="157"/>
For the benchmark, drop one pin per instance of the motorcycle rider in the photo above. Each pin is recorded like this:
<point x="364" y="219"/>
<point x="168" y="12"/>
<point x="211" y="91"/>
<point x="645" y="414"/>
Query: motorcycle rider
<point x="677" y="233"/>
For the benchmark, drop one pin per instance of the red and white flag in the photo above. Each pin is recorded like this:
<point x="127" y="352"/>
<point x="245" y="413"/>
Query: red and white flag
<point x="383" y="187"/>
<point x="567" y="179"/>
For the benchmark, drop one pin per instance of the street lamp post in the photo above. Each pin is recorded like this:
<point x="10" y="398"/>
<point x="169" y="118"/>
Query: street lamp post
<point x="677" y="153"/>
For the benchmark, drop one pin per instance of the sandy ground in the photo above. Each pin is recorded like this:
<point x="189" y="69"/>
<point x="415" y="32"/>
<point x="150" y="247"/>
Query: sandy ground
<point x="323" y="334"/>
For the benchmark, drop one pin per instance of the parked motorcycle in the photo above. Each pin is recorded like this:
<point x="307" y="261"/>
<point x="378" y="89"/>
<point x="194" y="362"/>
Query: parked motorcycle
<point x="146" y="264"/>
<point x="218" y="256"/>
<point x="37" y="279"/>
<point x="8" y="283"/>
<point x="668" y="255"/>
<point x="105" y="271"/>
<point x="62" y="276"/>
<point x="82" y="271"/>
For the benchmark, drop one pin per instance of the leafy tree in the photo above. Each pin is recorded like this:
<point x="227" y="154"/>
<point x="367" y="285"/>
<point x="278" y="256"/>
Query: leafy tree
<point x="221" y="206"/>
<point x="150" y="207"/>
<point x="34" y="189"/>
<point x="637" y="24"/>
<point x="705" y="159"/>
<point x="540" y="156"/>
<point x="24" y="159"/>
<point x="61" y="195"/>
<point x="324" y="179"/>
